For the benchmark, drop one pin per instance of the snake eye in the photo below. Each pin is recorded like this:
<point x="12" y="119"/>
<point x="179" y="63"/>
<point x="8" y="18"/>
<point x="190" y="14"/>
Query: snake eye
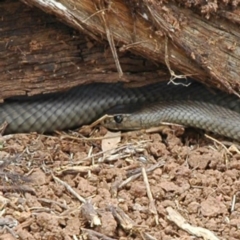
<point x="118" y="118"/>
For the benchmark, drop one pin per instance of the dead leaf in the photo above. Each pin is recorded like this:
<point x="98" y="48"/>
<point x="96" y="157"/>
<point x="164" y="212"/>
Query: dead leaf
<point x="111" y="140"/>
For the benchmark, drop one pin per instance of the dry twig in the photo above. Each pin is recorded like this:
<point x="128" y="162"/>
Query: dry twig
<point x="175" y="217"/>
<point x="152" y="206"/>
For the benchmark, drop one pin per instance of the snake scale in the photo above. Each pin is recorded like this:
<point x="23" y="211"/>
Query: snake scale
<point x="142" y="107"/>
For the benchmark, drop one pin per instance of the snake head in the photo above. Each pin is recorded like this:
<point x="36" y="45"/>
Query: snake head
<point x="124" y="117"/>
<point x="119" y="122"/>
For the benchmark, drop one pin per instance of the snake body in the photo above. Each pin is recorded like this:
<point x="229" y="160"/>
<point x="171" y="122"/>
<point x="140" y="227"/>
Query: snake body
<point x="69" y="109"/>
<point x="194" y="105"/>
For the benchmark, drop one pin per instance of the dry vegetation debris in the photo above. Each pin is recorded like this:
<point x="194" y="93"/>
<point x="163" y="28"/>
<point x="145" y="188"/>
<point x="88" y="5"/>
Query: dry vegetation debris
<point x="175" y="184"/>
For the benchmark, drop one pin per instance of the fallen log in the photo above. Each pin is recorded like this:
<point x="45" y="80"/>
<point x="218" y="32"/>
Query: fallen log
<point x="40" y="55"/>
<point x="165" y="32"/>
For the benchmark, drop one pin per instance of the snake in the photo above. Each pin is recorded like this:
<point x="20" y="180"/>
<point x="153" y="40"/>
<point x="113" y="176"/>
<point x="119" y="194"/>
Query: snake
<point x="126" y="108"/>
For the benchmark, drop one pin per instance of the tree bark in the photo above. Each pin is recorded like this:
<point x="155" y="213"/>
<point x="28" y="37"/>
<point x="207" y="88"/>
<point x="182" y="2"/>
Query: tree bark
<point x="208" y="50"/>
<point x="38" y="54"/>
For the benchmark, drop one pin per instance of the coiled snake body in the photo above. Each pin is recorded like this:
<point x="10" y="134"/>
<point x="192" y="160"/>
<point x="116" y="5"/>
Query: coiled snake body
<point x="193" y="105"/>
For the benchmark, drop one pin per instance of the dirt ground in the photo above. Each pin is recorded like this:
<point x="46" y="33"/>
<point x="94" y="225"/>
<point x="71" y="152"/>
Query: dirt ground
<point x="168" y="184"/>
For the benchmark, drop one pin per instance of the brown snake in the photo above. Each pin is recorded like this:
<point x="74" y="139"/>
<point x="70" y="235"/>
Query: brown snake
<point x="193" y="105"/>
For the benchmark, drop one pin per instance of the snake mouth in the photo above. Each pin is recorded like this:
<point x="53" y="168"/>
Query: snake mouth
<point x="113" y="121"/>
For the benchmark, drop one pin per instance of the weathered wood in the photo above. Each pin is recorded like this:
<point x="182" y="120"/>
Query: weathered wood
<point x="135" y="34"/>
<point x="39" y="54"/>
<point x="207" y="50"/>
<point x="212" y="44"/>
